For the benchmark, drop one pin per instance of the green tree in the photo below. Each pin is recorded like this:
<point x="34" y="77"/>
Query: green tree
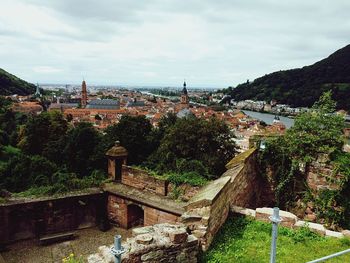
<point x="135" y="134"/>
<point x="209" y="142"/>
<point x="318" y="131"/>
<point x="42" y="133"/>
<point x="81" y="150"/>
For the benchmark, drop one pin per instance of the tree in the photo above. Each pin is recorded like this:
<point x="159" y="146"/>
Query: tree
<point x="316" y="132"/>
<point x="134" y="133"/>
<point x="42" y="134"/>
<point x="81" y="149"/>
<point x="209" y="142"/>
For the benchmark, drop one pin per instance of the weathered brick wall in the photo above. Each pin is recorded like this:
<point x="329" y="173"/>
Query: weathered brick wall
<point x="117" y="210"/>
<point x="187" y="191"/>
<point x="320" y="176"/>
<point x="140" y="179"/>
<point x="158" y="243"/>
<point x="25" y="219"/>
<point x="154" y="216"/>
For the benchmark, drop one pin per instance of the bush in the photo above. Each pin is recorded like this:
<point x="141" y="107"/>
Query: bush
<point x="191" y="178"/>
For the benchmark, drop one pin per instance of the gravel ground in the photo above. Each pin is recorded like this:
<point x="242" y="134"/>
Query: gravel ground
<point x="86" y="243"/>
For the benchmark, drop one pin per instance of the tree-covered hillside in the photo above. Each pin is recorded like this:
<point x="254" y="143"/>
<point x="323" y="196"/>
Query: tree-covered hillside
<point x="10" y="84"/>
<point x="303" y="86"/>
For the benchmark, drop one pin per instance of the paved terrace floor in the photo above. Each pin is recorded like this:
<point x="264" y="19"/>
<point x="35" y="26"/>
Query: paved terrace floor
<point x="146" y="198"/>
<point x="86" y="243"/>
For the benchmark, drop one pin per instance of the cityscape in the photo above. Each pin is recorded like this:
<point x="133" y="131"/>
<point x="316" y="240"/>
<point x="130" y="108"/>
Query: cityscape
<point x="172" y="132"/>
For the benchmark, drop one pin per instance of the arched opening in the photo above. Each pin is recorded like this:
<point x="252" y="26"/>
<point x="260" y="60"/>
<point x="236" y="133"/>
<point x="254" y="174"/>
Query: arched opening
<point x="135" y="216"/>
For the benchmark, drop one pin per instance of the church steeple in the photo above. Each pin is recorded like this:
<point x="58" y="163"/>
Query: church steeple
<point x="83" y="94"/>
<point x="184" y="95"/>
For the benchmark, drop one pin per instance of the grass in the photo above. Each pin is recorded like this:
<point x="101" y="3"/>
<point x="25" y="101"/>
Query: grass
<point x="246" y="240"/>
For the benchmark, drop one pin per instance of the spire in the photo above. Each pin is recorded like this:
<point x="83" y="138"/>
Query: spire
<point x="184" y="90"/>
<point x="83" y="94"/>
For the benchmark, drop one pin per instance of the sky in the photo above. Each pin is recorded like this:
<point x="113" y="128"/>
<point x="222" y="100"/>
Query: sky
<point x="210" y="43"/>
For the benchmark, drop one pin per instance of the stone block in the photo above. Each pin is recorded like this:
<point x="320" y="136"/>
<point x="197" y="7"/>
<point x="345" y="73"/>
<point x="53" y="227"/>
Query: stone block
<point x="243" y="211"/>
<point x="346" y="233"/>
<point x="317" y="228"/>
<point x="144" y="239"/>
<point x="95" y="258"/>
<point x="152" y="256"/>
<point x="142" y="230"/>
<point x="330" y="233"/>
<point x="178" y="236"/>
<point x="263" y="214"/>
<point x="105" y="253"/>
<point x="198" y="233"/>
<point x="192" y="240"/>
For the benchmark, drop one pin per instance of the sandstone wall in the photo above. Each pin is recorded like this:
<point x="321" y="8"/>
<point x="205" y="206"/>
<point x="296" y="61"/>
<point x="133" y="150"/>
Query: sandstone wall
<point x="140" y="179"/>
<point x="320" y="176"/>
<point x="154" y="216"/>
<point x="158" y="243"/>
<point x="117" y="210"/>
<point x="207" y="211"/>
<point x="26" y="219"/>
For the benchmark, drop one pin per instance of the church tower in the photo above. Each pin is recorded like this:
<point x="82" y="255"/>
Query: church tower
<point x="83" y="94"/>
<point x="184" y="95"/>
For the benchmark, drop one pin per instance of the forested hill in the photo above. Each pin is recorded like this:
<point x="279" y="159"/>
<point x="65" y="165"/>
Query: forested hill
<point x="10" y="84"/>
<point x="302" y="86"/>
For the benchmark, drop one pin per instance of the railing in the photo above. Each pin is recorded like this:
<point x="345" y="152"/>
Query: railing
<point x="330" y="256"/>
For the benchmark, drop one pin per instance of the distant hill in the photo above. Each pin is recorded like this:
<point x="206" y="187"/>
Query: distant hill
<point x="303" y="86"/>
<point x="10" y="84"/>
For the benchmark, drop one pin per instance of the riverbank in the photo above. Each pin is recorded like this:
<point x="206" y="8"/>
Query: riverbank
<point x="268" y="118"/>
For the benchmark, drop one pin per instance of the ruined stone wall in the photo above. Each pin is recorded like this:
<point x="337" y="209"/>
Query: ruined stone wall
<point x="320" y="176"/>
<point x="154" y="216"/>
<point x="140" y="179"/>
<point x="207" y="211"/>
<point x="158" y="243"/>
<point x="26" y="219"/>
<point x="117" y="210"/>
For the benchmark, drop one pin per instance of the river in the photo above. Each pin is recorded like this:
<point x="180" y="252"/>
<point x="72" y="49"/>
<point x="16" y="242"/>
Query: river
<point x="268" y="118"/>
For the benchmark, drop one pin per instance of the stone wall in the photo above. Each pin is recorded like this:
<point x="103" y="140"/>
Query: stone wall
<point x="156" y="216"/>
<point x="207" y="211"/>
<point x="140" y="179"/>
<point x="289" y="220"/>
<point x="320" y="175"/>
<point x="117" y="210"/>
<point x="32" y="218"/>
<point x="158" y="243"/>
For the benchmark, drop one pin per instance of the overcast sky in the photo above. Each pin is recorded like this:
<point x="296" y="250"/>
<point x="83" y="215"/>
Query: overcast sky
<point x="211" y="43"/>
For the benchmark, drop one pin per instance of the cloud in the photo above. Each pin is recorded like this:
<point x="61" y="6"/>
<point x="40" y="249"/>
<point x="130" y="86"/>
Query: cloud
<point x="154" y="42"/>
<point x="46" y="69"/>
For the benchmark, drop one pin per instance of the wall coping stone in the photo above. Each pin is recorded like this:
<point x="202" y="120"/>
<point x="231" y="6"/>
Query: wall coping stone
<point x="330" y="233"/>
<point x="159" y="202"/>
<point x="25" y="200"/>
<point x="207" y="195"/>
<point x="240" y="158"/>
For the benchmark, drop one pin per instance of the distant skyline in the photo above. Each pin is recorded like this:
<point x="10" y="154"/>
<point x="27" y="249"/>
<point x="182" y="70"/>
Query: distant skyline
<point x="162" y="42"/>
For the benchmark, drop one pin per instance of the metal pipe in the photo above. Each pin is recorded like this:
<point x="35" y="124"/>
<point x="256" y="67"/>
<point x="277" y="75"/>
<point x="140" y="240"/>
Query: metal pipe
<point x="117" y="250"/>
<point x="275" y="219"/>
<point x="331" y="256"/>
